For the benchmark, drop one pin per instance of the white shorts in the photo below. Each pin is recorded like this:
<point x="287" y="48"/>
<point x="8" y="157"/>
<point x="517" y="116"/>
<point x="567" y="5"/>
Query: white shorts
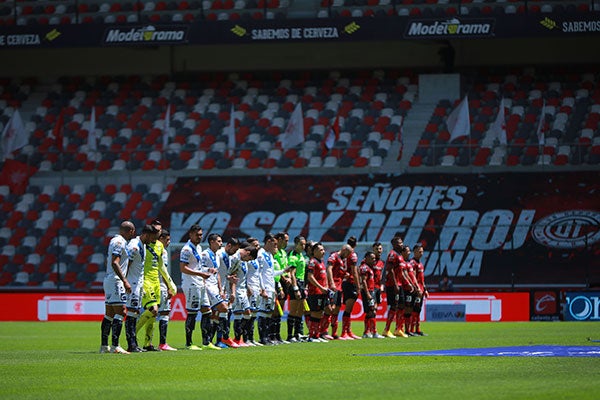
<point x="134" y="299"/>
<point x="241" y="302"/>
<point x="212" y="297"/>
<point x="253" y="299"/>
<point x="266" y="304"/>
<point x="165" y="303"/>
<point x="114" y="292"/>
<point x="193" y="296"/>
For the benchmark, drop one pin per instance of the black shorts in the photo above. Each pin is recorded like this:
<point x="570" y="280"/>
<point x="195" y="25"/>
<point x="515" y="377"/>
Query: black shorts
<point x="418" y="306"/>
<point x="316" y="302"/>
<point x="377" y="295"/>
<point x="301" y="288"/>
<point x="350" y="291"/>
<point x="365" y="300"/>
<point x="336" y="300"/>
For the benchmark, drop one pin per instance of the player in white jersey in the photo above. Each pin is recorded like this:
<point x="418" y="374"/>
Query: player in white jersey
<point x="253" y="286"/>
<point x="242" y="311"/>
<point x="192" y="281"/>
<point x="136" y="248"/>
<point x="168" y="289"/>
<point x="267" y="270"/>
<point x="116" y="288"/>
<point x="223" y="259"/>
<point x="213" y="302"/>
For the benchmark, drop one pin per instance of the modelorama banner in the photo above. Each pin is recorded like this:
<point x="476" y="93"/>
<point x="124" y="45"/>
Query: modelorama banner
<point x="300" y="30"/>
<point x="488" y="307"/>
<point x="479" y="229"/>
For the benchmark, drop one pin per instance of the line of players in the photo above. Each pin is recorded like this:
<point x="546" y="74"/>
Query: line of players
<point x="250" y="283"/>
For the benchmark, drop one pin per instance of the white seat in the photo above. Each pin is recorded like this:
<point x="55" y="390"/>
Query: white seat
<point x="315" y="162"/>
<point x="119" y="197"/>
<point x="448" y="160"/>
<point x="375" y="162"/>
<point x="97" y="258"/>
<point x="8" y="250"/>
<point x="239" y="163"/>
<point x="119" y="165"/>
<point x="33" y="258"/>
<point x="366" y="152"/>
<point x="22" y="277"/>
<point x="330" y="162"/>
<point x="88" y="223"/>
<point x="275" y="154"/>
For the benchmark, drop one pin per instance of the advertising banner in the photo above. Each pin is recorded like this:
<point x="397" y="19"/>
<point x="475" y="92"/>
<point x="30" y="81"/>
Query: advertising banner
<point x="301" y="30"/>
<point x="582" y="306"/>
<point x="446" y="313"/>
<point x="488" y="307"/>
<point x="545" y="305"/>
<point x="493" y="229"/>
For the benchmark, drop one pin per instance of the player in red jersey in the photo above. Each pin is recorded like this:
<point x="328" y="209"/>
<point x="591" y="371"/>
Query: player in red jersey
<point x="350" y="286"/>
<point x="378" y="268"/>
<point x="316" y="276"/>
<point x="408" y="291"/>
<point x="393" y="290"/>
<point x="367" y="293"/>
<point x="336" y="272"/>
<point x="420" y="275"/>
<point x="412" y="295"/>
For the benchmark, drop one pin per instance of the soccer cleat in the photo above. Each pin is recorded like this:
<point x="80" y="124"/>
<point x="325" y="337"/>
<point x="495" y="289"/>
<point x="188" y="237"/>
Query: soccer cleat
<point x="151" y="348"/>
<point x="367" y="335"/>
<point x="389" y="334"/>
<point x="314" y="340"/>
<point x="421" y="333"/>
<point x="166" y="347"/>
<point x="104" y="349"/>
<point x="210" y="346"/>
<point x="378" y="336"/>
<point x="326" y="336"/>
<point x="240" y="343"/>
<point x="193" y="347"/>
<point x="346" y="336"/>
<point x="255" y="343"/>
<point x="135" y="349"/>
<point x="400" y="333"/>
<point x="118" y="350"/>
<point x="293" y="340"/>
<point x="353" y="336"/>
<point x="221" y="345"/>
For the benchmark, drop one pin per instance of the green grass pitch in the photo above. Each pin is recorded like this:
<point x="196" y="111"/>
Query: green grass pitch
<point x="60" y="360"/>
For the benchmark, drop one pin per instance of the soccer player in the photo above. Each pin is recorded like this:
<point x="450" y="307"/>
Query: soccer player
<point x="336" y="272"/>
<point x="242" y="311"/>
<point x="367" y="292"/>
<point x="116" y="288"/>
<point x="297" y="292"/>
<point x="192" y="281"/>
<point x="212" y="304"/>
<point x="224" y="255"/>
<point x="135" y="275"/>
<point x="168" y="289"/>
<point x="408" y="284"/>
<point x="282" y="285"/>
<point x="267" y="273"/>
<point x="391" y="276"/>
<point x="350" y="289"/>
<point x="253" y="290"/>
<point x="153" y="263"/>
<point x="420" y="275"/>
<point x="378" y="267"/>
<point x="318" y="290"/>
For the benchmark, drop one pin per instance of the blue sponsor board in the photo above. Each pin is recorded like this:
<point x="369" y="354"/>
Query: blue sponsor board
<point x="582" y="306"/>
<point x="514" y="351"/>
<point x="446" y="312"/>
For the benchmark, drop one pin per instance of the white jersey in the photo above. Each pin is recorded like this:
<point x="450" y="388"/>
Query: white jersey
<point x="137" y="253"/>
<point x="224" y="261"/>
<point x="117" y="247"/>
<point x="209" y="260"/>
<point x="252" y="280"/>
<point x="238" y="268"/>
<point x="165" y="260"/>
<point x="266" y="270"/>
<point x="190" y="255"/>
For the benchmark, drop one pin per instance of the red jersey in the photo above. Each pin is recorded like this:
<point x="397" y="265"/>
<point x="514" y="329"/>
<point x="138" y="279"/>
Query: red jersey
<point x="366" y="272"/>
<point x="393" y="263"/>
<point x="412" y="279"/>
<point x="377" y="271"/>
<point x="419" y="273"/>
<point x="338" y="269"/>
<point x="351" y="261"/>
<point x="319" y="271"/>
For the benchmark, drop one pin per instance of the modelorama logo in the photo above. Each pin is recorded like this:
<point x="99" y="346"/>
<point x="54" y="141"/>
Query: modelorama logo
<point x="452" y="27"/>
<point x="568" y="229"/>
<point x="583" y="306"/>
<point x="146" y="35"/>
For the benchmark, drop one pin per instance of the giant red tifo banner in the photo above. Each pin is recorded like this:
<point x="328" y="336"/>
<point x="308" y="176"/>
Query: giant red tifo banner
<point x="486" y="307"/>
<point x="486" y="229"/>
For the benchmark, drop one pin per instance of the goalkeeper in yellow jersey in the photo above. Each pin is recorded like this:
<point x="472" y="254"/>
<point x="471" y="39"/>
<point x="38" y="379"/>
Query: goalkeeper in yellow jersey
<point x="168" y="289"/>
<point x="153" y="266"/>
